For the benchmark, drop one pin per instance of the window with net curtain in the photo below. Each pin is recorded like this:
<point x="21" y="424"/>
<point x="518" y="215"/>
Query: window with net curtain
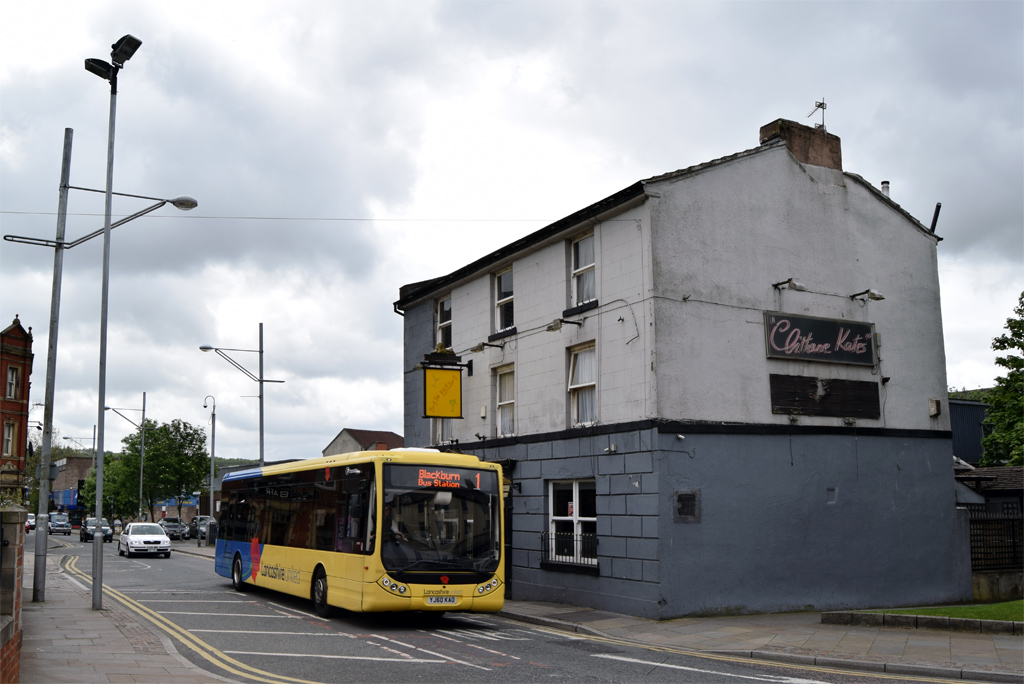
<point x="506" y="402"/>
<point x="583" y="386"/>
<point x="573" y="522"/>
<point x="8" y="445"/>
<point x="13" y="382"/>
<point x="583" y="274"/>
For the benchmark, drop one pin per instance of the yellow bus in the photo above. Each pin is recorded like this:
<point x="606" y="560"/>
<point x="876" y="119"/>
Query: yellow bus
<point x="407" y="529"/>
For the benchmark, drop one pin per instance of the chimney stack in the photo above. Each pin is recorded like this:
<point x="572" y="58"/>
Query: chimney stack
<point x="885" y="188"/>
<point x="808" y="145"/>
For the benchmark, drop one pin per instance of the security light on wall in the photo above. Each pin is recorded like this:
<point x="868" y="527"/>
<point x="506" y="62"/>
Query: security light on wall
<point x="480" y="347"/>
<point x="556" y="324"/>
<point x="790" y="284"/>
<point x="869" y="294"/>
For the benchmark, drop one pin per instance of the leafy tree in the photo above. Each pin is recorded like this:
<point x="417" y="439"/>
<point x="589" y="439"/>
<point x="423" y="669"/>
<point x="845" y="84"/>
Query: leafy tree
<point x="1005" y="444"/>
<point x="125" y="478"/>
<point x="965" y="394"/>
<point x="180" y="455"/>
<point x="116" y="498"/>
<point x="175" y="465"/>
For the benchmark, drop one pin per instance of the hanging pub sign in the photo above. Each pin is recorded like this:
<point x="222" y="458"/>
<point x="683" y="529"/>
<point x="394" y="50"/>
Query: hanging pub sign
<point x="819" y="339"/>
<point x="442" y="385"/>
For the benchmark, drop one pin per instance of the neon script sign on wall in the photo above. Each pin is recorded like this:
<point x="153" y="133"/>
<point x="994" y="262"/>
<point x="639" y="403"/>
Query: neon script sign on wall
<point x="819" y="339"/>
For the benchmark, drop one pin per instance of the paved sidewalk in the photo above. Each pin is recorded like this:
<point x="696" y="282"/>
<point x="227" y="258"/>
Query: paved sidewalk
<point x="801" y="638"/>
<point x="66" y="641"/>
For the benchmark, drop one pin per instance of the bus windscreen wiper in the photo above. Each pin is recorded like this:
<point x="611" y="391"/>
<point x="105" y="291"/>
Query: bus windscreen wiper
<point x="434" y="564"/>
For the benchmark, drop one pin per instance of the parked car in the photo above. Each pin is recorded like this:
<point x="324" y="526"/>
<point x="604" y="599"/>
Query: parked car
<point x="31" y="522"/>
<point x="88" y="530"/>
<point x="60" y="524"/>
<point x="197" y="526"/>
<point x="174" y="528"/>
<point x="147" y="539"/>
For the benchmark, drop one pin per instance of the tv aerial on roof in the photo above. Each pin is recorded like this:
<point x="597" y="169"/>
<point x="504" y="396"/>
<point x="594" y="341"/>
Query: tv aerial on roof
<point x="822" y="106"/>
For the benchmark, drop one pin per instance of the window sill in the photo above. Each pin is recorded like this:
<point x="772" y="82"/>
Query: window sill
<point x="502" y="335"/>
<point x="555" y="566"/>
<point x="586" y="306"/>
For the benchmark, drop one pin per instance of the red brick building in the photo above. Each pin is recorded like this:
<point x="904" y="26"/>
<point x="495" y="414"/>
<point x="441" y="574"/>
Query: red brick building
<point x="15" y="369"/>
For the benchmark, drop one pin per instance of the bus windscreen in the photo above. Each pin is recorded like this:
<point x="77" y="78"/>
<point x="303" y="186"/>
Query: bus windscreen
<point x="438" y="518"/>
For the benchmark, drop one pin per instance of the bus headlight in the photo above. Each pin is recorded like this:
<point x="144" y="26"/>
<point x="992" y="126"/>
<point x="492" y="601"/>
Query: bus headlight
<point x="393" y="587"/>
<point x="488" y="587"/>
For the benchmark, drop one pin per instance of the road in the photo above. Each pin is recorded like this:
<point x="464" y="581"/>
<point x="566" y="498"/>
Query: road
<point x="263" y="636"/>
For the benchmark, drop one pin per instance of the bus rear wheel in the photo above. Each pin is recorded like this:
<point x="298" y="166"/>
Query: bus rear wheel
<point x="318" y="594"/>
<point x="237" y="581"/>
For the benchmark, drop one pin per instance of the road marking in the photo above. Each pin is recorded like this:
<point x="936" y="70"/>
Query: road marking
<point x="203" y="649"/>
<point x="757" y="678"/>
<point x="469" y="634"/>
<point x="250" y="615"/>
<point x="342" y="657"/>
<point x="238" y="602"/>
<point x="442" y="636"/>
<point x="249" y="632"/>
<point x="503" y="655"/>
<point x="438" y="655"/>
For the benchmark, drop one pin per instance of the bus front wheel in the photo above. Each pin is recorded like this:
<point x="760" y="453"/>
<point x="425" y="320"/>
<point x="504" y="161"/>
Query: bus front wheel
<point x="237" y="581"/>
<point x="318" y="594"/>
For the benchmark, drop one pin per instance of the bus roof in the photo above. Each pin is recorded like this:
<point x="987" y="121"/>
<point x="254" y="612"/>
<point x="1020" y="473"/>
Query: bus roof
<point x="429" y="456"/>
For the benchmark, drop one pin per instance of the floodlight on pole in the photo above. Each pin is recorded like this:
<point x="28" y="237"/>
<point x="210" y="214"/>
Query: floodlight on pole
<point x="121" y="52"/>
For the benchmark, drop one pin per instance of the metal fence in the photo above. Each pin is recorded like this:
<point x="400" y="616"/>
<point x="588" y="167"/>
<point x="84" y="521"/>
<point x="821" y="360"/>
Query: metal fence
<point x="997" y="541"/>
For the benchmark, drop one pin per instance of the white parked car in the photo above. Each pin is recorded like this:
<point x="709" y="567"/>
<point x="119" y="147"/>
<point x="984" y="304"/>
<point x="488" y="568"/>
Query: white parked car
<point x="147" y="539"/>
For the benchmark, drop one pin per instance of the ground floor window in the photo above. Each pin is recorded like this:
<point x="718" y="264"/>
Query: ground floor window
<point x="572" y="530"/>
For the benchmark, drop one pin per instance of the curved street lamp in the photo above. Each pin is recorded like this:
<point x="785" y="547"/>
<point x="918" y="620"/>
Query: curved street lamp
<point x="142" y="442"/>
<point x="259" y="379"/>
<point x="75" y="440"/>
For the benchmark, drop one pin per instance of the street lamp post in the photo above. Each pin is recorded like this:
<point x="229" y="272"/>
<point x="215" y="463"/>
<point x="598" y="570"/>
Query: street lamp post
<point x="259" y="379"/>
<point x="121" y="52"/>
<point x="142" y="441"/>
<point x="59" y="245"/>
<point x="213" y="446"/>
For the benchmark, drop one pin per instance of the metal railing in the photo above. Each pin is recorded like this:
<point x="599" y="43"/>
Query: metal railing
<point x="577" y="549"/>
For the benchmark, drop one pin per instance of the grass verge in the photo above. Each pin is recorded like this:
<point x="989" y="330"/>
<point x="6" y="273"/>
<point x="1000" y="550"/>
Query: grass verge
<point x="1010" y="610"/>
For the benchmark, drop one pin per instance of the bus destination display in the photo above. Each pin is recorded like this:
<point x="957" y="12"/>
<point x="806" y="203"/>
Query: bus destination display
<point x="439" y="477"/>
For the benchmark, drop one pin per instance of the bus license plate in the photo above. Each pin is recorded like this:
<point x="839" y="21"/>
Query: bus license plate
<point x="441" y="599"/>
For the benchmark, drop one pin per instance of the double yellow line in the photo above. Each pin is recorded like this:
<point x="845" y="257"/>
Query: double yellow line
<point x="184" y="637"/>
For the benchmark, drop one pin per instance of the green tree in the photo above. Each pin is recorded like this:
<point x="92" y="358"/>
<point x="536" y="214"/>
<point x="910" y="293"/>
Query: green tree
<point x="1004" y="445"/>
<point x="175" y="465"/>
<point x="180" y="452"/>
<point x="125" y="479"/>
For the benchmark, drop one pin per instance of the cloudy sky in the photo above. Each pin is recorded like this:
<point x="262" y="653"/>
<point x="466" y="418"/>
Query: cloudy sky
<point x="339" y="150"/>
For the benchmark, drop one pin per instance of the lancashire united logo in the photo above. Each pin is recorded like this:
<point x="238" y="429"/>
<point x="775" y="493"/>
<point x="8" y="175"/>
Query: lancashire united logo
<point x="254" y="553"/>
<point x="445" y="579"/>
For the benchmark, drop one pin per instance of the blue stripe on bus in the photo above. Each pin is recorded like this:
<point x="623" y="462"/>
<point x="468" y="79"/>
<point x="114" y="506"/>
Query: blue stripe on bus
<point x="243" y="474"/>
